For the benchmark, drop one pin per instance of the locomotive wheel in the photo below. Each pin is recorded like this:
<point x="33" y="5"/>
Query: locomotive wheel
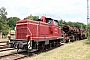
<point x="56" y="43"/>
<point x="50" y="44"/>
<point x="47" y="47"/>
<point x="53" y="44"/>
<point x="59" y="44"/>
<point x="41" y="46"/>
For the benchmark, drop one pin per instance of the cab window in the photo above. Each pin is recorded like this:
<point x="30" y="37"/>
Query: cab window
<point x="49" y="20"/>
<point x="56" y="22"/>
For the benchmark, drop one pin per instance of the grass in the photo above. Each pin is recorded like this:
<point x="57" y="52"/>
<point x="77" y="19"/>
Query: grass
<point x="77" y="50"/>
<point x="88" y="40"/>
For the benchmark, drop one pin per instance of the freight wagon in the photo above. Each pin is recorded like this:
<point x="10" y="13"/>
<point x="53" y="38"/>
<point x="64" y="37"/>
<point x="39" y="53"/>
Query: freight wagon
<point x="72" y="33"/>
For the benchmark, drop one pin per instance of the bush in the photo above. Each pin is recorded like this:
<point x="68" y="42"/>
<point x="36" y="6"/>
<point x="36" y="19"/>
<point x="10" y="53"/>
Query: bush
<point x="88" y="33"/>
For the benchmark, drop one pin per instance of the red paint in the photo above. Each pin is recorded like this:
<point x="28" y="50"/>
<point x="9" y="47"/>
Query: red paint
<point x="37" y="30"/>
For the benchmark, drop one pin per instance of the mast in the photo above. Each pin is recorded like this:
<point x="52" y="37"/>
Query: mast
<point x="87" y="11"/>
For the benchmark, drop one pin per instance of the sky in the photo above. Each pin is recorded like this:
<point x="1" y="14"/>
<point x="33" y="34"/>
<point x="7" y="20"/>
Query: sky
<point x="68" y="10"/>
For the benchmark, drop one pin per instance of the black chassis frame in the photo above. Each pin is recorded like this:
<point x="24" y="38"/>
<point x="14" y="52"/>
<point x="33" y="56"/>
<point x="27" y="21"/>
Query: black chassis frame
<point x="23" y="44"/>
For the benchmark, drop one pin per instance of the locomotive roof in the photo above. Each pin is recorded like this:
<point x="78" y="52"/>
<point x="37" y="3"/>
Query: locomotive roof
<point x="49" y="18"/>
<point x="24" y="20"/>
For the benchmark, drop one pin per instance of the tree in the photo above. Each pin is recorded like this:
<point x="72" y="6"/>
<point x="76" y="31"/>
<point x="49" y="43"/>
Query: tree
<point x="3" y="17"/>
<point x="3" y="21"/>
<point x="70" y="23"/>
<point x="5" y="30"/>
<point x="62" y="23"/>
<point x="11" y="21"/>
<point x="31" y="17"/>
<point x="88" y="33"/>
<point x="77" y="24"/>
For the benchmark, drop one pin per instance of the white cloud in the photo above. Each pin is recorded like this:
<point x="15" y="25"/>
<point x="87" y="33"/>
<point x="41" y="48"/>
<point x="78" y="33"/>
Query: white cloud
<point x="69" y="10"/>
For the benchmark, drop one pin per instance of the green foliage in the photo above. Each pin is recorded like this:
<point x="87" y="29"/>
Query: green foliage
<point x="0" y="26"/>
<point x="32" y="17"/>
<point x="62" y="23"/>
<point x="79" y="25"/>
<point x="11" y="21"/>
<point x="88" y="30"/>
<point x="3" y="21"/>
<point x="76" y="24"/>
<point x="3" y="17"/>
<point x="6" y="28"/>
<point x="70" y="23"/>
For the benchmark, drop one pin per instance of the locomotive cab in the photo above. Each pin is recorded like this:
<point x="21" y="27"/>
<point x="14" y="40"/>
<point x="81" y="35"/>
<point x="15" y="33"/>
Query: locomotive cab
<point x="56" y="23"/>
<point x="49" y="21"/>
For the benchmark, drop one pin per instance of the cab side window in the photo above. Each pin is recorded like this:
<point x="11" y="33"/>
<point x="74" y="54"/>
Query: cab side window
<point x="48" y="20"/>
<point x="56" y="22"/>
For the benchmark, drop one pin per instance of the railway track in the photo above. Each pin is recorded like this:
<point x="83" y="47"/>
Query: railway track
<point x="17" y="56"/>
<point x="21" y="55"/>
<point x="2" y="56"/>
<point x="13" y="56"/>
<point x="10" y="56"/>
<point x="3" y="46"/>
<point x="7" y="49"/>
<point x="3" y="41"/>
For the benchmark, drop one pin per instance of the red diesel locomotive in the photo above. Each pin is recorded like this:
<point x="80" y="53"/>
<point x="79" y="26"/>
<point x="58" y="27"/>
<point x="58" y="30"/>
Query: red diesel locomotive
<point x="36" y="35"/>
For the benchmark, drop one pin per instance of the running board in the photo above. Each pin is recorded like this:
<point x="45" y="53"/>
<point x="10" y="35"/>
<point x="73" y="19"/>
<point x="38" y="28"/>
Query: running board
<point x="33" y="50"/>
